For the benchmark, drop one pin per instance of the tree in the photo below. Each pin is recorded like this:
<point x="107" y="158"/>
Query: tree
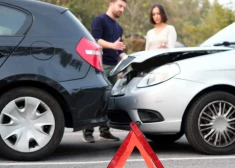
<point x="217" y="19"/>
<point x="194" y="20"/>
<point x="84" y="11"/>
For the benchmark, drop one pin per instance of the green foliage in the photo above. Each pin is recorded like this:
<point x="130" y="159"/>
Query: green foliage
<point x="194" y="20"/>
<point x="85" y="11"/>
<point x="217" y="19"/>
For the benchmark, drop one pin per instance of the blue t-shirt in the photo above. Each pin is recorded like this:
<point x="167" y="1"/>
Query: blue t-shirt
<point x="104" y="27"/>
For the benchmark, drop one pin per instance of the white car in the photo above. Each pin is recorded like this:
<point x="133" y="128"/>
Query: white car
<point x="179" y="91"/>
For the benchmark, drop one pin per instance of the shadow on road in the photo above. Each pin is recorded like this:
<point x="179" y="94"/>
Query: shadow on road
<point x="71" y="149"/>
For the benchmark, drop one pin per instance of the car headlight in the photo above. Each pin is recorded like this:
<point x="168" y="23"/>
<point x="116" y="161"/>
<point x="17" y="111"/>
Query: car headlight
<point x="160" y="75"/>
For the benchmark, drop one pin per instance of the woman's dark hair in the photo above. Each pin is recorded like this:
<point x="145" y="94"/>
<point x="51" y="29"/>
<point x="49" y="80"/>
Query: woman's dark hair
<point x="162" y="13"/>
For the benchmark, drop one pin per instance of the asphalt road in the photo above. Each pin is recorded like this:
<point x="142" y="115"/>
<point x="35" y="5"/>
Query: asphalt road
<point x="74" y="153"/>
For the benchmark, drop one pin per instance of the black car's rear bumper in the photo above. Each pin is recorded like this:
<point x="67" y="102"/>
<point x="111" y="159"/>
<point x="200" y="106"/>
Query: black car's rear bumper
<point x="87" y="100"/>
<point x="92" y="108"/>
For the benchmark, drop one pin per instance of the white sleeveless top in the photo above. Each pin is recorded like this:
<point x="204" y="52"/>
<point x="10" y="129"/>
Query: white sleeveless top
<point x="154" y="40"/>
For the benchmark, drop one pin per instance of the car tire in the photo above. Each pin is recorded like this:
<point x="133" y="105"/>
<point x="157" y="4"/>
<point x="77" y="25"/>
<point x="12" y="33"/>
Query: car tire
<point x="166" y="139"/>
<point x="31" y="124"/>
<point x="209" y="125"/>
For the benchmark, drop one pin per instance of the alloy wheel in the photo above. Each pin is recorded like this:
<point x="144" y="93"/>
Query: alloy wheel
<point x="216" y="123"/>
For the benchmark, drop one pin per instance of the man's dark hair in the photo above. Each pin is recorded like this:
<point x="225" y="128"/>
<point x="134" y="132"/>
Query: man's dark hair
<point x="162" y="13"/>
<point x="116" y="0"/>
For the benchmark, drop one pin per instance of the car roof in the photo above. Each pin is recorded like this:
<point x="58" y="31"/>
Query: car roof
<point x="30" y="4"/>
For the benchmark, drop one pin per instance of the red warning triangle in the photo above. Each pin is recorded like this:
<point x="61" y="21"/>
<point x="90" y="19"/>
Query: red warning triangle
<point x="135" y="138"/>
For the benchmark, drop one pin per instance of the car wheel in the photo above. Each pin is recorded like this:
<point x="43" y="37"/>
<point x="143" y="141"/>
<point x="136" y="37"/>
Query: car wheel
<point x="31" y="124"/>
<point x="164" y="138"/>
<point x="210" y="123"/>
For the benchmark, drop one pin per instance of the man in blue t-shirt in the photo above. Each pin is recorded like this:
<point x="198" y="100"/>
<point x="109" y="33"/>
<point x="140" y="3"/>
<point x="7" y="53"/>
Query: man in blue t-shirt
<point x="107" y="32"/>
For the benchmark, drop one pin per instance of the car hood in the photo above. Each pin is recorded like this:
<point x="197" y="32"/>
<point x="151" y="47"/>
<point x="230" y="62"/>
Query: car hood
<point x="144" y="60"/>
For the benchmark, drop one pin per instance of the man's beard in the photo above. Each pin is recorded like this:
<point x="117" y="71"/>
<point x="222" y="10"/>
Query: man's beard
<point x="116" y="15"/>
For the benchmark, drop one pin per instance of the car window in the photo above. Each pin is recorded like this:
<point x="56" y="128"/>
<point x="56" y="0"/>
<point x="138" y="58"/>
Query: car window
<point x="12" y="21"/>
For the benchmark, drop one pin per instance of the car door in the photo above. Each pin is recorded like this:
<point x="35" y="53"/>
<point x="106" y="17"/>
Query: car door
<point x="14" y="23"/>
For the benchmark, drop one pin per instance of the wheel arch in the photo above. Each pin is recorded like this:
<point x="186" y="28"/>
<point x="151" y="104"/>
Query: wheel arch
<point x="47" y="88"/>
<point x="226" y="88"/>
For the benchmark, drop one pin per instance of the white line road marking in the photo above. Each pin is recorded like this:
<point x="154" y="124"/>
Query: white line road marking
<point x="101" y="162"/>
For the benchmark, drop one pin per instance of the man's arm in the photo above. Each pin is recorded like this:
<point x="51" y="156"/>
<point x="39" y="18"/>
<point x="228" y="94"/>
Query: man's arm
<point x="117" y="45"/>
<point x="97" y="28"/>
<point x="97" y="33"/>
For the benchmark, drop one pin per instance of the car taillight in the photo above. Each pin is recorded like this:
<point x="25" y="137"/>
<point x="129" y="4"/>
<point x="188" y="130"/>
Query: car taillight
<point x="91" y="52"/>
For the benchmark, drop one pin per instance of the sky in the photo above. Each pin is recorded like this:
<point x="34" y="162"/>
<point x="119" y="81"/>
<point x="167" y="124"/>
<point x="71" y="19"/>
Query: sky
<point x="226" y="3"/>
<point x="221" y="1"/>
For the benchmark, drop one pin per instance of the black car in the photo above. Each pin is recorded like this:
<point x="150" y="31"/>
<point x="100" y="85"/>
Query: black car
<point x="51" y="77"/>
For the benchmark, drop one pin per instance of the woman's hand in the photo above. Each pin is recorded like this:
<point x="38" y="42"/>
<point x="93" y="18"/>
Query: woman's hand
<point x="163" y="45"/>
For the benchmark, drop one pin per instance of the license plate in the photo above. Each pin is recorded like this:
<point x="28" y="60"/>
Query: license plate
<point x="112" y="104"/>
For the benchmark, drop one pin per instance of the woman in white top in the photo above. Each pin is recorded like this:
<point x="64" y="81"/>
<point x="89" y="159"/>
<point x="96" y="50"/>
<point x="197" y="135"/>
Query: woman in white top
<point x="162" y="35"/>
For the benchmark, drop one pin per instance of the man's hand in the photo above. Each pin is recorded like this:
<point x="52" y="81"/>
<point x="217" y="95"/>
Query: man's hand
<point x="122" y="56"/>
<point x="118" y="45"/>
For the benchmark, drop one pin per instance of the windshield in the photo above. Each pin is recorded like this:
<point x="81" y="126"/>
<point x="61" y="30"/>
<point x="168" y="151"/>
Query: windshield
<point x="226" y="34"/>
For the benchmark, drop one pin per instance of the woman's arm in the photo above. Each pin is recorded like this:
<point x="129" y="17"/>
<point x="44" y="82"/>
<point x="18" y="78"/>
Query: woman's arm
<point x="172" y="37"/>
<point x="147" y="42"/>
